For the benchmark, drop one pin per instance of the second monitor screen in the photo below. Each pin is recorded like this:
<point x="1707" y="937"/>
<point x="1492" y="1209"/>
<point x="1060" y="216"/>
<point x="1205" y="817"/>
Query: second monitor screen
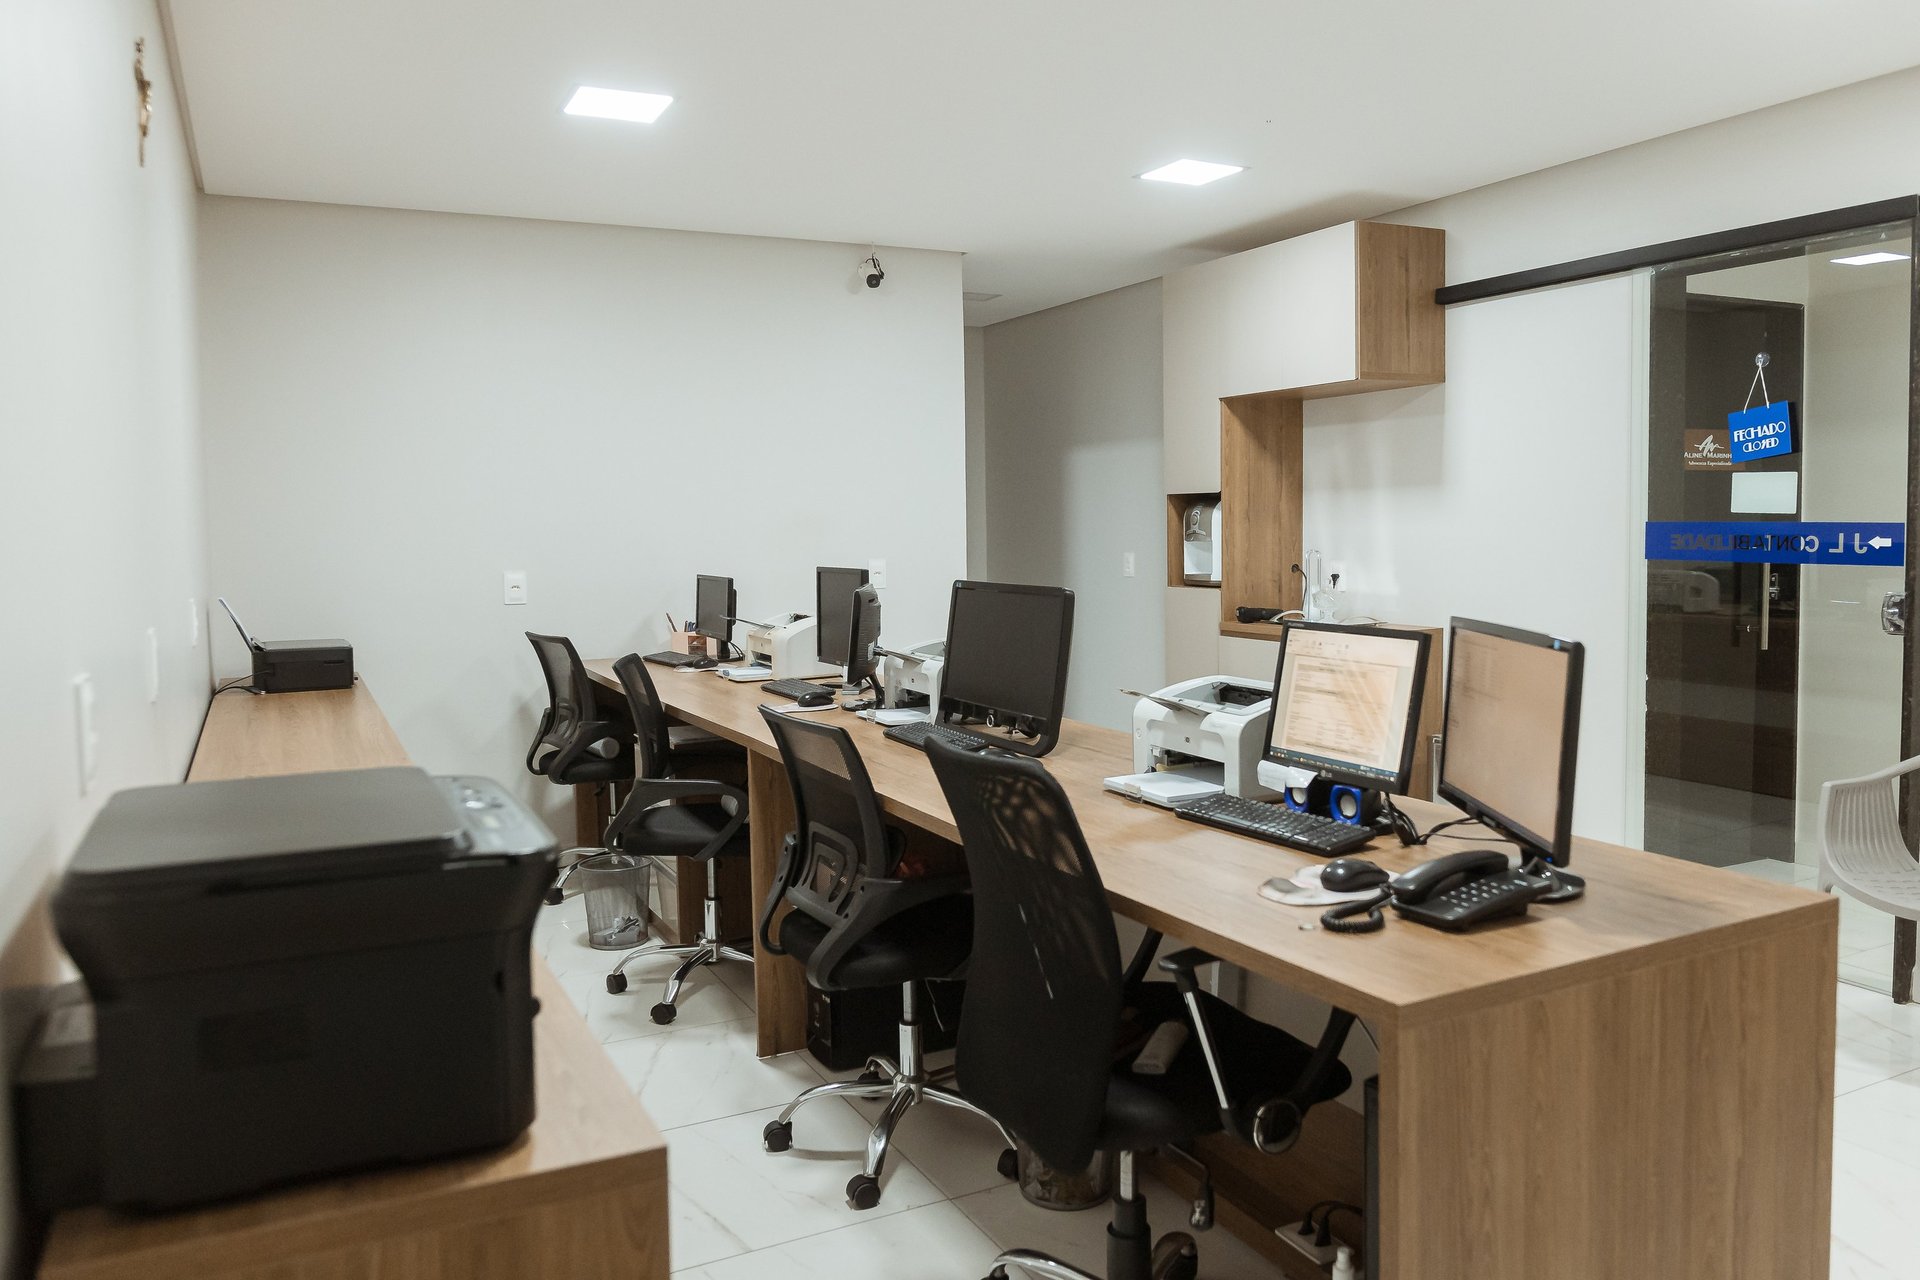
<point x="833" y="605"/>
<point x="1343" y="702"/>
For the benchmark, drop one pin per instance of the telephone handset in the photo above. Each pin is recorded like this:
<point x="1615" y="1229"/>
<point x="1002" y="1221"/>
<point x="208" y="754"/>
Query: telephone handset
<point x="1463" y="889"/>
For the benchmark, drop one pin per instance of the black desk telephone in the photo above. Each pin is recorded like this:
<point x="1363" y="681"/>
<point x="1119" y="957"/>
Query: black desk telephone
<point x="1460" y="890"/>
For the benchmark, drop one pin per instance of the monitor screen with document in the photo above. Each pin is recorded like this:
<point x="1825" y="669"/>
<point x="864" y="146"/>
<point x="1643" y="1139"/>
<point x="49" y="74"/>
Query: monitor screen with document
<point x="1346" y="702"/>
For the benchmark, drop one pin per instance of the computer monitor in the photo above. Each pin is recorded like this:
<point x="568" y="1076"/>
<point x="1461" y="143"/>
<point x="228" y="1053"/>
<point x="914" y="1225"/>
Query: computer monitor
<point x="713" y="607"/>
<point x="1512" y="730"/>
<point x="1006" y="661"/>
<point x="1346" y="703"/>
<point x="833" y="608"/>
<point x="863" y="637"/>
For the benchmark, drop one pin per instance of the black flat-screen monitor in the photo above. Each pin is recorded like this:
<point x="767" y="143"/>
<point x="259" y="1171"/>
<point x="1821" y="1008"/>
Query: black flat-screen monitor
<point x="1346" y="703"/>
<point x="1006" y="662"/>
<point x="833" y="607"/>
<point x="863" y="637"/>
<point x="1512" y="734"/>
<point x="713" y="607"/>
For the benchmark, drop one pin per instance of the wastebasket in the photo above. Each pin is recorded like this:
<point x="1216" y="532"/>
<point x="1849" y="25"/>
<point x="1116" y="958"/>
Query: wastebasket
<point x="615" y="888"/>
<point x="1051" y="1188"/>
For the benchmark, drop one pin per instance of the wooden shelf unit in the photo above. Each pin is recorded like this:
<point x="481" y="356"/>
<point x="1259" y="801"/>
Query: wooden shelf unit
<point x="1250" y="335"/>
<point x="1177" y="504"/>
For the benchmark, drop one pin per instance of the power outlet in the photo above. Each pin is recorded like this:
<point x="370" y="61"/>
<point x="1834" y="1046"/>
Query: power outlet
<point x="1321" y="1257"/>
<point x="193" y="623"/>
<point x="877" y="574"/>
<point x="1126" y="564"/>
<point x="515" y="587"/>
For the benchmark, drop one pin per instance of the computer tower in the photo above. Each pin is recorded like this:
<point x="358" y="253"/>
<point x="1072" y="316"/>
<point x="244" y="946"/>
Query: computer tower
<point x="1370" y="1230"/>
<point x="845" y="1028"/>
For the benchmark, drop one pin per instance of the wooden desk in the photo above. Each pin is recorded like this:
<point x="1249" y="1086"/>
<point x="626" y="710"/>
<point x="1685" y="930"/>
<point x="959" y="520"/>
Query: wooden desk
<point x="1636" y="1083"/>
<point x="581" y="1196"/>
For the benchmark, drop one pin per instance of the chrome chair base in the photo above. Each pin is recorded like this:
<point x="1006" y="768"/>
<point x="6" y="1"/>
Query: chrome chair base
<point x="706" y="949"/>
<point x="904" y="1084"/>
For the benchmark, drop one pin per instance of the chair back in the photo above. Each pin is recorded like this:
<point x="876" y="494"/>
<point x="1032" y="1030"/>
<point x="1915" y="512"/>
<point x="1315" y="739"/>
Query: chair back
<point x="653" y="757"/>
<point x="841" y="838"/>
<point x="1045" y="988"/>
<point x="569" y="699"/>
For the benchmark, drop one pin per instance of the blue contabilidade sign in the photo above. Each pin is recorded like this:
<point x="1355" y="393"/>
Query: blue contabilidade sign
<point x="1861" y="542"/>
<point x="1764" y="431"/>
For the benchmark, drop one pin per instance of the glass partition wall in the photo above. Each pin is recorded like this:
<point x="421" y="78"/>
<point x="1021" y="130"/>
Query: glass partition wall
<point x="1781" y="383"/>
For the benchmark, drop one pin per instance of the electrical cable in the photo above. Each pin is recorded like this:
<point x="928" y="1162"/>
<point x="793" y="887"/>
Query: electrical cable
<point x="1340" y="919"/>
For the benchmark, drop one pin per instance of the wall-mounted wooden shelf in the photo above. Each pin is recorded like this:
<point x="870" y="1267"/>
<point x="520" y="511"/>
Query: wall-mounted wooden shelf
<point x="1249" y="339"/>
<point x="1177" y="504"/>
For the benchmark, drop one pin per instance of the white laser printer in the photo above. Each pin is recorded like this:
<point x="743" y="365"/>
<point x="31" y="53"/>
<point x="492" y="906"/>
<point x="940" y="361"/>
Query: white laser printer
<point x="1198" y="737"/>
<point x="908" y="676"/>
<point x="790" y="647"/>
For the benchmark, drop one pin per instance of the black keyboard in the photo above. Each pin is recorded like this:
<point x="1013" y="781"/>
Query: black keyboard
<point x="795" y="688"/>
<point x="1276" y="824"/>
<point x="698" y="661"/>
<point x="916" y="734"/>
<point x="1506" y="893"/>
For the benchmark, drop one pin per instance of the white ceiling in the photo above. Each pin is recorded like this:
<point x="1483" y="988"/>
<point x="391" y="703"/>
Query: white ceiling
<point x="1007" y="129"/>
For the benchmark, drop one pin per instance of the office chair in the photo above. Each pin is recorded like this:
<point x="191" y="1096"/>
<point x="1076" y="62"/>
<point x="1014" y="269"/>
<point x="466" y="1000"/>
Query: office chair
<point x="669" y="816"/>
<point x="1050" y="1023"/>
<point x="569" y="748"/>
<point x="855" y="924"/>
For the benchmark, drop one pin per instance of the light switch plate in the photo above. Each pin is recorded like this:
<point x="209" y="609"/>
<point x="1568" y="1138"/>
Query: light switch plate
<point x="516" y="587"/>
<point x="877" y="573"/>
<point x="153" y="664"/>
<point x="87" y="738"/>
<point x="193" y="623"/>
<point x="1126" y="564"/>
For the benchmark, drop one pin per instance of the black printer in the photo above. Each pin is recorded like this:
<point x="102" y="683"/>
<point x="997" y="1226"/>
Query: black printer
<point x="287" y="977"/>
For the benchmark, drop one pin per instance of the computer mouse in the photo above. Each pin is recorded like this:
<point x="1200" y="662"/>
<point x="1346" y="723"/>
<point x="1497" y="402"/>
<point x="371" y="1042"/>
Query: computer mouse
<point x="1350" y="875"/>
<point x="820" y="699"/>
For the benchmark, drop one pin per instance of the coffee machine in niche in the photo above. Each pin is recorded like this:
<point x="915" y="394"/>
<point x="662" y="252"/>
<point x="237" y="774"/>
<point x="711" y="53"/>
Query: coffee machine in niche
<point x="1200" y="537"/>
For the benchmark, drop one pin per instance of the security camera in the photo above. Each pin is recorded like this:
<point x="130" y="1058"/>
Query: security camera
<point x="875" y="276"/>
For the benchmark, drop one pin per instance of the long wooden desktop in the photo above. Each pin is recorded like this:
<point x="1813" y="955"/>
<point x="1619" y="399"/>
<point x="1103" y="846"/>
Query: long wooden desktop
<point x="582" y="1195"/>
<point x="1636" y="1083"/>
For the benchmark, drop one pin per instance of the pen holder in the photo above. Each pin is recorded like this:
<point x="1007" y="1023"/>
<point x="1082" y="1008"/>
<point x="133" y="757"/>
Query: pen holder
<point x="687" y="642"/>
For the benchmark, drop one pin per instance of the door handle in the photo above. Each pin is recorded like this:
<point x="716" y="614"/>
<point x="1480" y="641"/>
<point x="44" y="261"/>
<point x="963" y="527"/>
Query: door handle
<point x="1893" y="613"/>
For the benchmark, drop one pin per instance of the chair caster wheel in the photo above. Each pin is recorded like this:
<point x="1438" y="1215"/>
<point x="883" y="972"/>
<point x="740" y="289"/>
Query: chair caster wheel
<point x="1009" y="1164"/>
<point x="663" y="1013"/>
<point x="555" y="896"/>
<point x="863" y="1192"/>
<point x="616" y="983"/>
<point x="1175" y="1258"/>
<point x="870" y="1076"/>
<point x="777" y="1136"/>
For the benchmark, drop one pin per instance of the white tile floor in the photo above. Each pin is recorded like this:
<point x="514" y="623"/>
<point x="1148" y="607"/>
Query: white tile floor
<point x="739" y="1213"/>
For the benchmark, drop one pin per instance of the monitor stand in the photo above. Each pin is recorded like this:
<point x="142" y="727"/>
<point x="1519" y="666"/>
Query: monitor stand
<point x="1566" y="885"/>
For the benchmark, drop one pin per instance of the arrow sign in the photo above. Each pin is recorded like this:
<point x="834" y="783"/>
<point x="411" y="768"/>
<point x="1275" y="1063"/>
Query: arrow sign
<point x="1851" y="542"/>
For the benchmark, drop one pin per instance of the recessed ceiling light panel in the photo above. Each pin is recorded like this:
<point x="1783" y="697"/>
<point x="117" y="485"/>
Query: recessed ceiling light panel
<point x="1193" y="173"/>
<point x="1868" y="259"/>
<point x="617" y="104"/>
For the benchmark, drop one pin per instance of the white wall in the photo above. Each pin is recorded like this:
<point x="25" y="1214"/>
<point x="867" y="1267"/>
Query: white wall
<point x="1073" y="482"/>
<point x="99" y="434"/>
<point x="401" y="406"/>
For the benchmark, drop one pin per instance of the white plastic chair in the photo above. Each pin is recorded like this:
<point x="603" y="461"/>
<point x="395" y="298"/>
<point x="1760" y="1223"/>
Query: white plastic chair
<point x="1862" y="850"/>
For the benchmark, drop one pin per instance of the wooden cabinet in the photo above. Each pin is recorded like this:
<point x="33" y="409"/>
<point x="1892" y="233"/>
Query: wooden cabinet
<point x="1247" y="339"/>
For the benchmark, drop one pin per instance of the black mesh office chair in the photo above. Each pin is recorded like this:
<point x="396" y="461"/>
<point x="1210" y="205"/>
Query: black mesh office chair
<point x="856" y="924"/>
<point x="669" y="816"/>
<point x="1050" y="1022"/>
<point x="571" y="748"/>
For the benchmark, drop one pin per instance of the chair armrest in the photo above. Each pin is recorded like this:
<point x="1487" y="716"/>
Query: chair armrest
<point x="648" y="793"/>
<point x="1142" y="960"/>
<point x="1182" y="963"/>
<point x="584" y="735"/>
<point x="878" y="901"/>
<point x="539" y="737"/>
<point x="777" y="892"/>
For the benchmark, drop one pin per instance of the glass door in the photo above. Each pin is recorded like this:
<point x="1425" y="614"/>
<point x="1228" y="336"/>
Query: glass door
<point x="1777" y="481"/>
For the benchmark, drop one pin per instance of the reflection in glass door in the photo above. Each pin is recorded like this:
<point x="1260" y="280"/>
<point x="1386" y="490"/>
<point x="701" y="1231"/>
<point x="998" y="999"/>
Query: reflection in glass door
<point x="1767" y="677"/>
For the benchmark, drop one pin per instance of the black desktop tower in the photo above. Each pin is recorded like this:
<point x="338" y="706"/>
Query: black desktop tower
<point x="845" y="1028"/>
<point x="1370" y="1229"/>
